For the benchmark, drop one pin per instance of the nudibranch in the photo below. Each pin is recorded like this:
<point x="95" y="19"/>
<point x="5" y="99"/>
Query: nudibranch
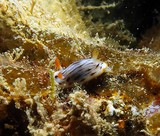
<point x="80" y="71"/>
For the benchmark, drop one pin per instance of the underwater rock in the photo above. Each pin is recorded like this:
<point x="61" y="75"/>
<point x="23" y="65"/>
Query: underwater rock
<point x="123" y="20"/>
<point x="32" y="35"/>
<point x="151" y="39"/>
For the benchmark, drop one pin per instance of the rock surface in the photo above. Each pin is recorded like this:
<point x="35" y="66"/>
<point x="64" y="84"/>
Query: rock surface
<point x="32" y="34"/>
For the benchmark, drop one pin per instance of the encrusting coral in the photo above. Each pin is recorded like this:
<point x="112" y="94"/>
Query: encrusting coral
<point x="32" y="34"/>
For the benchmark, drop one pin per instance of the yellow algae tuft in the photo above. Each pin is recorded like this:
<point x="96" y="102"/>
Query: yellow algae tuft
<point x="152" y="124"/>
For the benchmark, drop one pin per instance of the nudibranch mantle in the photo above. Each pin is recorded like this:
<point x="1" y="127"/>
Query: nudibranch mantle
<point x="80" y="72"/>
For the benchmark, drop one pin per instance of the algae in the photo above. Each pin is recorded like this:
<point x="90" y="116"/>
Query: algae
<point x="32" y="34"/>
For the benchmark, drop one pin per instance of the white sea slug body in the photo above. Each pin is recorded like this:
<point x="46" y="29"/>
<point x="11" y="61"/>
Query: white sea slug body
<point x="80" y="71"/>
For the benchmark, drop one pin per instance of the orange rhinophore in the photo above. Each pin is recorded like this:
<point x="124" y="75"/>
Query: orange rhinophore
<point x="58" y="64"/>
<point x="60" y="75"/>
